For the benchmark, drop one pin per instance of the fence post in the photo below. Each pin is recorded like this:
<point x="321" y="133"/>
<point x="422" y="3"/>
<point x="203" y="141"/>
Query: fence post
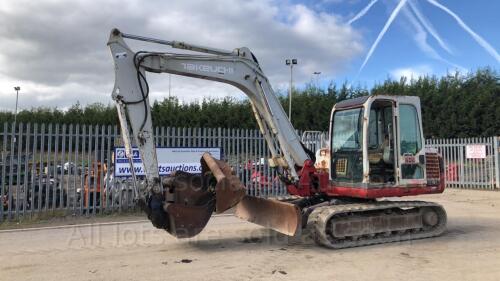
<point x="69" y="186"/>
<point x="11" y="169"/>
<point x="54" y="167"/>
<point x="2" y="175"/>
<point x="105" y="183"/>
<point x="19" y="145"/>
<point x="63" y="195"/>
<point x="26" y="167"/>
<point x="496" y="152"/>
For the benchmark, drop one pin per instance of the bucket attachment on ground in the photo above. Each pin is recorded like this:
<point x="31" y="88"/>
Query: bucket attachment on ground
<point x="192" y="206"/>
<point x="188" y="221"/>
<point x="281" y="216"/>
<point x="193" y="198"/>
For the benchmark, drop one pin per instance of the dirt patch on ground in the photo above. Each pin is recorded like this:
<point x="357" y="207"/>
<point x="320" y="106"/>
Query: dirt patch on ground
<point x="230" y="249"/>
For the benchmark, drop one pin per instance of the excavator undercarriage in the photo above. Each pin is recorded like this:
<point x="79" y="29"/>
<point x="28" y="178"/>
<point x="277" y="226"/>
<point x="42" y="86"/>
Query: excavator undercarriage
<point x="362" y="224"/>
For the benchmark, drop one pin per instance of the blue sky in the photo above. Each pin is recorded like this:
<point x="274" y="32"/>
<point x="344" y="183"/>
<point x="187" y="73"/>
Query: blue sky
<point x="398" y="51"/>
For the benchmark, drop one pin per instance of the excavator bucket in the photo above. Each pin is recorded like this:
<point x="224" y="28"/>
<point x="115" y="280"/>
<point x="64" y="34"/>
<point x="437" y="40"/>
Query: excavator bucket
<point x="217" y="189"/>
<point x="188" y="221"/>
<point x="197" y="197"/>
<point x="193" y="205"/>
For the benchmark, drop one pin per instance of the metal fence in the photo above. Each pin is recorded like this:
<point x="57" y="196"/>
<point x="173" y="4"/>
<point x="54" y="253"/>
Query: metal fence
<point x="67" y="169"/>
<point x="470" y="162"/>
<point x="54" y="169"/>
<point x="315" y="140"/>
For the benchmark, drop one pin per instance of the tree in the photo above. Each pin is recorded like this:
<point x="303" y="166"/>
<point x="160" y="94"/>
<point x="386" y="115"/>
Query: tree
<point x="455" y="105"/>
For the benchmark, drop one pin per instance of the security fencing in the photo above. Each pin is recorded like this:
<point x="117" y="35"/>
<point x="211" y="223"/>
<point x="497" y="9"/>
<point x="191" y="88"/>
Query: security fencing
<point x="60" y="169"/>
<point x="315" y="140"/>
<point x="67" y="169"/>
<point x="470" y="162"/>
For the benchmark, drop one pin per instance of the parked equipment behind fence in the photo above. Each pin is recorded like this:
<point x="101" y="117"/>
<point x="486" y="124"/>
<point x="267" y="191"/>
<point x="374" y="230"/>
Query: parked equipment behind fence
<point x="54" y="169"/>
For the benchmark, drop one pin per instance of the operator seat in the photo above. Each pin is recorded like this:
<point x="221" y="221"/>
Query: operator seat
<point x="387" y="154"/>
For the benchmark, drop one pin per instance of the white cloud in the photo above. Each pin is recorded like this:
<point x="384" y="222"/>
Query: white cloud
<point x="480" y="40"/>
<point x="412" y="72"/>
<point x="428" y="25"/>
<point x="388" y="23"/>
<point x="420" y="35"/>
<point x="56" y="50"/>
<point x="362" y="12"/>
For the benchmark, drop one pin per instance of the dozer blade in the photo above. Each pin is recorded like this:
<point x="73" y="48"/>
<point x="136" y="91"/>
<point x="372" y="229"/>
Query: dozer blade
<point x="281" y="216"/>
<point x="228" y="190"/>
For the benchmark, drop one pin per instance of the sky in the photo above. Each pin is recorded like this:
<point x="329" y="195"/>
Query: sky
<point x="56" y="50"/>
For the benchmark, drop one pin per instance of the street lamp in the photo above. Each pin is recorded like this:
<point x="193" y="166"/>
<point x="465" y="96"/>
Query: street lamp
<point x="290" y="62"/>
<point x="317" y="73"/>
<point x="17" y="89"/>
<point x="169" y="86"/>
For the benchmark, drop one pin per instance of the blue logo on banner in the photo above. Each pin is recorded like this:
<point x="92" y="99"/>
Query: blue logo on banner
<point x="120" y="153"/>
<point x="135" y="154"/>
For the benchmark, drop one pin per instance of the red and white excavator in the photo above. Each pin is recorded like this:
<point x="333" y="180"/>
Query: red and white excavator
<point x="376" y="150"/>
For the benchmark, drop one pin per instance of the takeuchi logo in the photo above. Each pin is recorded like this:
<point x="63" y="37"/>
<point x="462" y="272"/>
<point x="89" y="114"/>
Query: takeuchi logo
<point x="208" y="68"/>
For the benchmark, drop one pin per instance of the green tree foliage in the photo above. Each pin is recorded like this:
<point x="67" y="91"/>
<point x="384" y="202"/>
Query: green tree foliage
<point x="453" y="106"/>
<point x="312" y="106"/>
<point x="227" y="113"/>
<point x="93" y="114"/>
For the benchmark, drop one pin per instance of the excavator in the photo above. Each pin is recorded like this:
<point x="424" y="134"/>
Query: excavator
<point x="376" y="153"/>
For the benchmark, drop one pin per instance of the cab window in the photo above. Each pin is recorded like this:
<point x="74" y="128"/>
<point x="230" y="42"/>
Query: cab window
<point x="411" y="139"/>
<point x="347" y="132"/>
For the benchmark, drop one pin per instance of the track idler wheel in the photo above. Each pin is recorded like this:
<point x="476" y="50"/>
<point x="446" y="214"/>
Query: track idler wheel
<point x="430" y="217"/>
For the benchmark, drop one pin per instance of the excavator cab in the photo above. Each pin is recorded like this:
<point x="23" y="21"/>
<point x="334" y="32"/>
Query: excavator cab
<point x="377" y="141"/>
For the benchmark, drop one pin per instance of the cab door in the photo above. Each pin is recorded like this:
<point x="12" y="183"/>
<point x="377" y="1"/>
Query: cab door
<point x="410" y="148"/>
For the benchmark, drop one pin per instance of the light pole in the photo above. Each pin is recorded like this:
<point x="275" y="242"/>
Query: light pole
<point x="317" y="73"/>
<point x="17" y="89"/>
<point x="169" y="85"/>
<point x="290" y="62"/>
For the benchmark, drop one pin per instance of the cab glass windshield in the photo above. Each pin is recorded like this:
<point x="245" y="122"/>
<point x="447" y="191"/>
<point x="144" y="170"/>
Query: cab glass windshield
<point x="347" y="132"/>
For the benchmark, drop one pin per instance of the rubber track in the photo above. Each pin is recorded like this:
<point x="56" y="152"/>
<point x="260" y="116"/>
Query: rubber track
<point x="318" y="221"/>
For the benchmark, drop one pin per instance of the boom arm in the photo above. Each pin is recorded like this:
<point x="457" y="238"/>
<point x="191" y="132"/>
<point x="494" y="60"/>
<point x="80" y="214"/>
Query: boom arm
<point x="238" y="68"/>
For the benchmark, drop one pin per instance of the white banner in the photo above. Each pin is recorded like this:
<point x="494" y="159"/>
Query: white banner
<point x="170" y="159"/>
<point x="475" y="151"/>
